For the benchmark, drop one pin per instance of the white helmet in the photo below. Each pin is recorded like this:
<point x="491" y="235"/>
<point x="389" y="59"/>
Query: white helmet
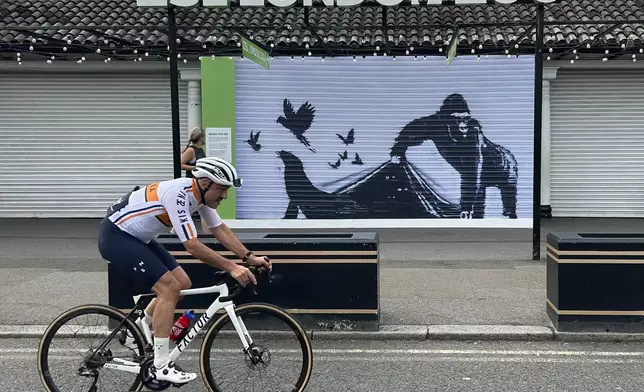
<point x="217" y="170"/>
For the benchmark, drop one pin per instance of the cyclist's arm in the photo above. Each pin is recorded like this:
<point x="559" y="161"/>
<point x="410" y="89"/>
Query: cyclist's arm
<point x="176" y="205"/>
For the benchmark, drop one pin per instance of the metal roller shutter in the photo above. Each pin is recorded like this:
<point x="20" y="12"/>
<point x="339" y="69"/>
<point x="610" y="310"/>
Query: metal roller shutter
<point x="71" y="143"/>
<point x="376" y="97"/>
<point x="597" y="143"/>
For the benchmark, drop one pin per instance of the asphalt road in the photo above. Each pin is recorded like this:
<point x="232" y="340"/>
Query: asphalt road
<point x="423" y="366"/>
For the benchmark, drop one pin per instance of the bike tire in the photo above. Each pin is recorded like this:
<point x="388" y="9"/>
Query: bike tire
<point x="269" y="311"/>
<point x="45" y="342"/>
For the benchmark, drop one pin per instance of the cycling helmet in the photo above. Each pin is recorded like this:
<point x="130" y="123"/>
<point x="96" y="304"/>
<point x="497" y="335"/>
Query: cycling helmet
<point x="217" y="170"/>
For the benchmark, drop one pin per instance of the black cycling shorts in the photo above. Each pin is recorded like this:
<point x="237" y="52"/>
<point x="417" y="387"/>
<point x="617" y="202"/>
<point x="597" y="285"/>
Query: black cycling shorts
<point x="143" y="264"/>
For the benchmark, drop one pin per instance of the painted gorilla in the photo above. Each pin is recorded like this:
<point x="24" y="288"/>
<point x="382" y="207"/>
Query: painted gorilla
<point x="460" y="141"/>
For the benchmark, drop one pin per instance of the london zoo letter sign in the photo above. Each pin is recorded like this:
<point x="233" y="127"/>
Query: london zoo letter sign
<point x="328" y="3"/>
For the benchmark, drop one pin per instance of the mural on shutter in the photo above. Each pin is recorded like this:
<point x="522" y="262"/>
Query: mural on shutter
<point x="383" y="139"/>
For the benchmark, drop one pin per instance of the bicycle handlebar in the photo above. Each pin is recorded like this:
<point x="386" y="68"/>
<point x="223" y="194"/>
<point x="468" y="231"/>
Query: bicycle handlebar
<point x="260" y="274"/>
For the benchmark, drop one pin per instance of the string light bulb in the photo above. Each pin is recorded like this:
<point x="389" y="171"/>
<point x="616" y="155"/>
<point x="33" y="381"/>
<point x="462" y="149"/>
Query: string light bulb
<point x="574" y="51"/>
<point x="354" y="59"/>
<point x="185" y="61"/>
<point x="587" y="46"/>
<point x="407" y="52"/>
<point x="306" y="46"/>
<point x="548" y="58"/>
<point x="605" y="59"/>
<point x="64" y="48"/>
<point x="473" y="51"/>
<point x="641" y="50"/>
<point x="31" y="48"/>
<point x="309" y="53"/>
<point x="551" y="50"/>
<point x="98" y="50"/>
<point x="480" y="46"/>
<point x="394" y="59"/>
<point x="378" y="48"/>
<point x="440" y="50"/>
<point x="48" y="61"/>
<point x="607" y="51"/>
<point x="572" y="61"/>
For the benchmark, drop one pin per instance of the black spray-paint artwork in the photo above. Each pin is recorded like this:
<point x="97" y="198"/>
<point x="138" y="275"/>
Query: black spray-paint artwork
<point x="396" y="188"/>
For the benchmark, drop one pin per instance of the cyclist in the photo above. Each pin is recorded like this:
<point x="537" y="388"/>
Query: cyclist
<point x="127" y="241"/>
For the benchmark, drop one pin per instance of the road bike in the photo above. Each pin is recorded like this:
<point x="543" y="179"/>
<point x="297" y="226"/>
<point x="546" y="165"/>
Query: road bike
<point x="132" y="354"/>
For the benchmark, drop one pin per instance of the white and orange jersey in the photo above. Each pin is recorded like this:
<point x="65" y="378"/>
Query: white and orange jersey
<point x="149" y="211"/>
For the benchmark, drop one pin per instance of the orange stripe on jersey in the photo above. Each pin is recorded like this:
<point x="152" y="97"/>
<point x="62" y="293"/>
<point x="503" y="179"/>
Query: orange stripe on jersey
<point x="152" y="195"/>
<point x="151" y="192"/>
<point x="192" y="234"/>
<point x="164" y="218"/>
<point x="139" y="214"/>
<point x="194" y="189"/>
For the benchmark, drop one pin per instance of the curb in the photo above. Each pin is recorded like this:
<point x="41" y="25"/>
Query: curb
<point x="410" y="333"/>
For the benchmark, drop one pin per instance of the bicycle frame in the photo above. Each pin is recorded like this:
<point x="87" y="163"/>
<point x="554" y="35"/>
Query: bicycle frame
<point x="228" y="306"/>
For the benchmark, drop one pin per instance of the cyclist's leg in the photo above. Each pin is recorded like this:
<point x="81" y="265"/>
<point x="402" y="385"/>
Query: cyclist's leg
<point x="171" y="264"/>
<point x="136" y="260"/>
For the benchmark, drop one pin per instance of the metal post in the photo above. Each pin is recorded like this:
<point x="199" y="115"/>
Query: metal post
<point x="538" y="97"/>
<point x="174" y="92"/>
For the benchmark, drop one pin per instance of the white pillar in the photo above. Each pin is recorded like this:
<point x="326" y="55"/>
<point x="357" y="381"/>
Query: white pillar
<point x="194" y="104"/>
<point x="193" y="77"/>
<point x="549" y="74"/>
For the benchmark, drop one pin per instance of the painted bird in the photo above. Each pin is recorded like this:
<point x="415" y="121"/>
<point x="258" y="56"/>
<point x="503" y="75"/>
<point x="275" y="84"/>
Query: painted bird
<point x="349" y="139"/>
<point x="253" y="141"/>
<point x="299" y="122"/>
<point x="343" y="156"/>
<point x="357" y="160"/>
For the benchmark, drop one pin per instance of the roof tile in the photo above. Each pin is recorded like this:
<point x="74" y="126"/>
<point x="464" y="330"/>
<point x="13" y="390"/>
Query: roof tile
<point x="285" y="27"/>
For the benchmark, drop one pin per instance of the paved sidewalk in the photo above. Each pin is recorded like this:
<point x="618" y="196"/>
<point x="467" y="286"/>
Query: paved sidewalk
<point x="434" y="277"/>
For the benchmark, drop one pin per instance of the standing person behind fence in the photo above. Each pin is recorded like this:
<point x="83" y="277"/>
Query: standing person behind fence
<point x="194" y="150"/>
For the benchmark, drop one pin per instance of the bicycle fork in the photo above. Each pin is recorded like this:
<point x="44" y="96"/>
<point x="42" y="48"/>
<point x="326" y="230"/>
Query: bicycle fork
<point x="240" y="327"/>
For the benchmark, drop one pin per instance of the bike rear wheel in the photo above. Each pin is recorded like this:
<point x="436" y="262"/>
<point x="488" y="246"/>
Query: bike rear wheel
<point x="277" y="341"/>
<point x="75" y="347"/>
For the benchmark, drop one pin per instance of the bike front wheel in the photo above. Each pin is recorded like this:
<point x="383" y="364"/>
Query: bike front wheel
<point x="280" y="357"/>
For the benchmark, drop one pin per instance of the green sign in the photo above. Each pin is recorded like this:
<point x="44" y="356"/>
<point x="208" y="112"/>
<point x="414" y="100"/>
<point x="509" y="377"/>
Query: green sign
<point x="451" y="53"/>
<point x="255" y="53"/>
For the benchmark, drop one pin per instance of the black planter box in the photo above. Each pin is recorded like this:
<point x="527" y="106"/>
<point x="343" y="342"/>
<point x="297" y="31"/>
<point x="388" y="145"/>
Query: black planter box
<point x="595" y="282"/>
<point x="331" y="280"/>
